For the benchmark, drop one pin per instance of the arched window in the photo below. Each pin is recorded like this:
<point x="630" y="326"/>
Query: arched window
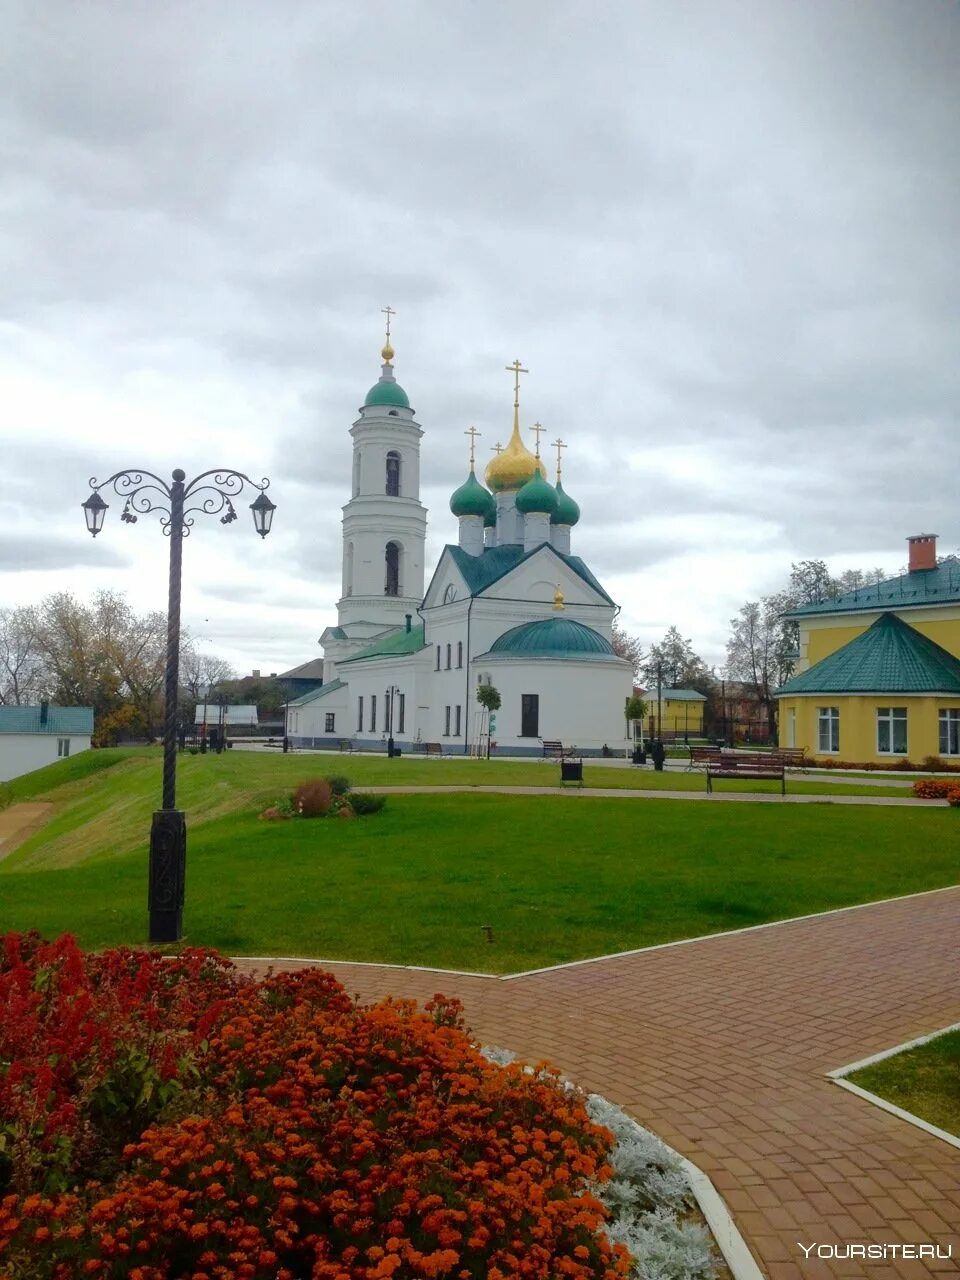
<point x="393" y="474"/>
<point x="348" y="570"/>
<point x="392" y="581"/>
<point x="356" y="472"/>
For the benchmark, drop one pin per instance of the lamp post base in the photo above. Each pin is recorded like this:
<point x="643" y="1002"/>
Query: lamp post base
<point x="168" y="867"/>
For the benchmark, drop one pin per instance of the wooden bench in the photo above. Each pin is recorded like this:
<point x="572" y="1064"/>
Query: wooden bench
<point x="553" y="750"/>
<point x="431" y="749"/>
<point x="793" y="757"/>
<point x="759" y="765"/>
<point x="703" y="756"/>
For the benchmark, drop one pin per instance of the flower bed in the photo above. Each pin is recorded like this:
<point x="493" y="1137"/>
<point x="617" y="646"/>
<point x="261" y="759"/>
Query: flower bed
<point x="165" y="1118"/>
<point x="938" y="789"/>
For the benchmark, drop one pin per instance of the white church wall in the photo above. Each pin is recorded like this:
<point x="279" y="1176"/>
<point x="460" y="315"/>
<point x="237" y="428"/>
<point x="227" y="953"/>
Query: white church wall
<point x="580" y="702"/>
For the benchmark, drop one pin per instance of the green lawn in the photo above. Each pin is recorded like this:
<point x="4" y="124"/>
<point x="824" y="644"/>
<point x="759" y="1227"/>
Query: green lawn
<point x="556" y="878"/>
<point x="924" y="1081"/>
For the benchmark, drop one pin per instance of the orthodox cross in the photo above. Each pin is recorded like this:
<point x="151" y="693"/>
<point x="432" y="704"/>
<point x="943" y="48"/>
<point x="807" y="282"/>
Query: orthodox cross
<point x="472" y="432"/>
<point x="516" y="369"/>
<point x="558" y="445"/>
<point x="497" y="448"/>
<point x="538" y="431"/>
<point x="388" y="312"/>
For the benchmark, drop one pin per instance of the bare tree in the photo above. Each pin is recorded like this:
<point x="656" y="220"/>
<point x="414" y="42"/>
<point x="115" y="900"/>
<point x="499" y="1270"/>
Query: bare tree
<point x="201" y="671"/>
<point x="21" y="660"/>
<point x="627" y="646"/>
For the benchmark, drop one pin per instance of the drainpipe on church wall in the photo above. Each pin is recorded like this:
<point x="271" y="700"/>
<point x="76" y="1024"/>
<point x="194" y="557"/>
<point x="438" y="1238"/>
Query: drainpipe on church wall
<point x="467" y="708"/>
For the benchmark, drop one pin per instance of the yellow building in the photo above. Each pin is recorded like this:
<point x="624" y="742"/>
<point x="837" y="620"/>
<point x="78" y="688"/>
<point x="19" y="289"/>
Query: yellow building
<point x="681" y="713"/>
<point x="878" y="678"/>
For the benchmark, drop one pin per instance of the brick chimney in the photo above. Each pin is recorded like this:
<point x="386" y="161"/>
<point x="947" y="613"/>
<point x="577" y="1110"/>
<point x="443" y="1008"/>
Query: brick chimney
<point x="923" y="551"/>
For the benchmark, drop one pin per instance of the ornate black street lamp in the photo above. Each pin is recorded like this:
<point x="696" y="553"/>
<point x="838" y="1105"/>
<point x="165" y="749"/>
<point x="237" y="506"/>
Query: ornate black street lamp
<point x="142" y="491"/>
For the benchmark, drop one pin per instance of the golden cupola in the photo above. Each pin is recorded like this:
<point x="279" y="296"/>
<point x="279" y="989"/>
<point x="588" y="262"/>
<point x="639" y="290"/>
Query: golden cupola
<point x="514" y="465"/>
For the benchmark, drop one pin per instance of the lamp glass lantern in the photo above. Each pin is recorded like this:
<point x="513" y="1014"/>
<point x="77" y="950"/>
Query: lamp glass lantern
<point x="263" y="510"/>
<point x="94" y="510"/>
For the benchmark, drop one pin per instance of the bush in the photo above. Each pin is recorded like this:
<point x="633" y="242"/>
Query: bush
<point x="339" y="785"/>
<point x="953" y="797"/>
<point x="364" y="803"/>
<point x="325" y="1138"/>
<point x="312" y="799"/>
<point x="933" y="788"/>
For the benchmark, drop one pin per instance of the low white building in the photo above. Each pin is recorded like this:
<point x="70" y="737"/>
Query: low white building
<point x="31" y="737"/>
<point x="508" y="606"/>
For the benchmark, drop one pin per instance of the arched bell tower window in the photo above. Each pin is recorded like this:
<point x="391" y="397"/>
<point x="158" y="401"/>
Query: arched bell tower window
<point x="392" y="580"/>
<point x="356" y="472"/>
<point x="393" y="474"/>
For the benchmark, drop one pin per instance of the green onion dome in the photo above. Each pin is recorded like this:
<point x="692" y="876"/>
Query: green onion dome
<point x="388" y="392"/>
<point x="553" y="638"/>
<point x="567" y="511"/>
<point x="472" y="499"/>
<point x="537" y="495"/>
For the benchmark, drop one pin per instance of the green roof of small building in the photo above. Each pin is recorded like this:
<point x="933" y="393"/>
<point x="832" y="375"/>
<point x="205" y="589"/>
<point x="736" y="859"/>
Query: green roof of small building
<point x="388" y="392"/>
<point x="674" y="695"/>
<point x="394" y="644"/>
<point x="889" y="657"/>
<point x="567" y="511"/>
<point x="552" y="638"/>
<point x="537" y="495"/>
<point x="314" y="694"/>
<point x="60" y="720"/>
<point x="916" y="589"/>
<point x="472" y="499"/>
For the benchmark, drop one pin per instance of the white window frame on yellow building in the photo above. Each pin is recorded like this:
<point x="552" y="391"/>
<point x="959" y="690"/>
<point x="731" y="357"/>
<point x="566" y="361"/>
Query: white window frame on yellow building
<point x="949" y="717"/>
<point x="831" y="717"/>
<point x="890" y="719"/>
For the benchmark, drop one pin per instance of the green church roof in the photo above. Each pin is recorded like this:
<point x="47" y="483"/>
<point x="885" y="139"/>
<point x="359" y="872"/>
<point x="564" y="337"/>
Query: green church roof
<point x="567" y="511"/>
<point x="472" y="499"/>
<point x="537" y="495"/>
<point x="889" y="657"/>
<point x="552" y="638"/>
<point x="916" y="589"/>
<point x="481" y="572"/>
<point x="396" y="643"/>
<point x="388" y="392"/>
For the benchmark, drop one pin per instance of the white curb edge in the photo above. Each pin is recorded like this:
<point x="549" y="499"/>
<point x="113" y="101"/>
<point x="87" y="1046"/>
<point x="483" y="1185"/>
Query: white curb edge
<point x="730" y="1242"/>
<point x="837" y="1077"/>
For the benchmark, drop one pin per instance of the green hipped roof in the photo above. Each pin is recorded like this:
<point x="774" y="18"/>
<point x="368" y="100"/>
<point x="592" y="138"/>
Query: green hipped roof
<point x="472" y="499"/>
<point x="480" y="572"/>
<point x="62" y="720"/>
<point x="889" y="657"/>
<point x="537" y="495"/>
<point x="397" y="642"/>
<point x="567" y="511"/>
<point x="552" y="638"/>
<point x="908" y="590"/>
<point x="314" y="694"/>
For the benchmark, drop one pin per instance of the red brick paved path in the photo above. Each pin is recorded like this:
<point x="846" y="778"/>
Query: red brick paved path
<point x="720" y="1047"/>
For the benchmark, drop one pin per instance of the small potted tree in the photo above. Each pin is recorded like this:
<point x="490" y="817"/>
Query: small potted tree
<point x="635" y="711"/>
<point x="489" y="698"/>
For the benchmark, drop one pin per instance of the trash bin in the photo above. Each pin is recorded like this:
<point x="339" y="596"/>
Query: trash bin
<point x="639" y="755"/>
<point x="571" y="771"/>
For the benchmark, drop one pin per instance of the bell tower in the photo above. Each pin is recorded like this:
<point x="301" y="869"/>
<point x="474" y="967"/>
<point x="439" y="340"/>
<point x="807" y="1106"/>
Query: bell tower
<point x="384" y="522"/>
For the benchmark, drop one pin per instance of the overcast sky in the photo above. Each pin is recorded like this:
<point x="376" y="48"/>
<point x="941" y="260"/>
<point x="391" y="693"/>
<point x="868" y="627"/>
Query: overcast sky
<point x="723" y="237"/>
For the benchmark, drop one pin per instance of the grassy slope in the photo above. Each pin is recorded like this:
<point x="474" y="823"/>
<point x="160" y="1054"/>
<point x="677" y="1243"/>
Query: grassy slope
<point x="924" y="1081"/>
<point x="556" y="879"/>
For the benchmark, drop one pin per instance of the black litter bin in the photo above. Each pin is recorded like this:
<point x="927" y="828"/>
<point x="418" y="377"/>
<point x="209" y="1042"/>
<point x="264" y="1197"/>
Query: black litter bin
<point x="639" y="755"/>
<point x="571" y="771"/>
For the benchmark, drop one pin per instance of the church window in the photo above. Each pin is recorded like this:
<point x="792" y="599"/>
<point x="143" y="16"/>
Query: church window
<point x="329" y="720"/>
<point x="356" y="472"/>
<point x="348" y="571"/>
<point x="401" y="712"/>
<point x="392" y="580"/>
<point x="448" y="657"/>
<point x="459" y="653"/>
<point x="457" y="721"/>
<point x="359" y="714"/>
<point x="393" y="474"/>
<point x="529" y="715"/>
<point x="446" y="722"/>
<point x="373" y="713"/>
<point x="438" y="657"/>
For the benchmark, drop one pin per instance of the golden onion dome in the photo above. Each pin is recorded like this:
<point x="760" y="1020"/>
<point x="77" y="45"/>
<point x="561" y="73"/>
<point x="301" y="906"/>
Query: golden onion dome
<point x="513" y="466"/>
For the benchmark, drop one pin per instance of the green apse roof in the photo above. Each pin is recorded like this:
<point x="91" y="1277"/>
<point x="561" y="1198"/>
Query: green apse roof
<point x="537" y="495"/>
<point x="567" y="511"/>
<point x="388" y="392"/>
<point x="908" y="590"/>
<point x="398" y="642"/>
<point x="552" y="638"/>
<point x="889" y="657"/>
<point x="472" y="499"/>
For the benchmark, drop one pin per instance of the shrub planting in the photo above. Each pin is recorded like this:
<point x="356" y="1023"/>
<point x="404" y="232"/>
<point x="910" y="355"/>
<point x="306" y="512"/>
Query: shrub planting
<point x="364" y="803"/>
<point x="192" y="1124"/>
<point x="934" y="788"/>
<point x="312" y="799"/>
<point x="323" y="798"/>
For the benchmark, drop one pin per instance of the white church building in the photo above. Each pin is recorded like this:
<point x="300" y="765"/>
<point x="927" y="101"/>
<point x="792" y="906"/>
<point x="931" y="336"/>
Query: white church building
<point x="508" y="605"/>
